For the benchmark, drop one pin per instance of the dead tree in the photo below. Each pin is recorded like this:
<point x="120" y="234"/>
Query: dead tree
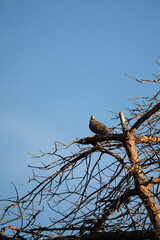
<point x="99" y="187"/>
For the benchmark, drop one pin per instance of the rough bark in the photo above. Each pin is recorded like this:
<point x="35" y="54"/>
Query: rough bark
<point x="118" y="137"/>
<point x="143" y="190"/>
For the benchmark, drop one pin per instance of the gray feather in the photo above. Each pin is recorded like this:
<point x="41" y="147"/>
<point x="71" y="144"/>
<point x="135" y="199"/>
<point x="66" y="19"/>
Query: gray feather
<point x="98" y="127"/>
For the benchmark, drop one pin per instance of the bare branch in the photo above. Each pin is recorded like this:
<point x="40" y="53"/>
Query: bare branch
<point x="144" y="81"/>
<point x="147" y="115"/>
<point x="123" y="123"/>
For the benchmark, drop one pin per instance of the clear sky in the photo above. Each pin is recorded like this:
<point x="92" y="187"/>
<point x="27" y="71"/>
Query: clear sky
<point x="60" y="62"/>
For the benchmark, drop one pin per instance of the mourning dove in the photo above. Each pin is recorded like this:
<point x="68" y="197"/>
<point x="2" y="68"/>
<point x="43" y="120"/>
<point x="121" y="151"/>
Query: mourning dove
<point x="98" y="127"/>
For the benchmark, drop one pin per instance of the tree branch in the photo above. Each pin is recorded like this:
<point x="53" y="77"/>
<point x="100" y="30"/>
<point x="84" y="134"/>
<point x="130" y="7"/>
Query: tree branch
<point x="116" y="204"/>
<point x="123" y="122"/>
<point x="101" y="138"/>
<point x="145" y="117"/>
<point x="117" y="235"/>
<point x="117" y="137"/>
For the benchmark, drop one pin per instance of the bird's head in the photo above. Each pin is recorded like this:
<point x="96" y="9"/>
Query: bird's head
<point x="92" y="117"/>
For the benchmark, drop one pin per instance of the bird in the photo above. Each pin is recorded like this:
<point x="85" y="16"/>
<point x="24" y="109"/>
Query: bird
<point x="98" y="127"/>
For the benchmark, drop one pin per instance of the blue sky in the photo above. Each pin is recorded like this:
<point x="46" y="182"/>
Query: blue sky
<point x="62" y="61"/>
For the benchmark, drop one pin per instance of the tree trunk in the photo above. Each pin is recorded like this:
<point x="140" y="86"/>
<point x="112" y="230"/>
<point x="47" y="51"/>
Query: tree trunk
<point x="143" y="189"/>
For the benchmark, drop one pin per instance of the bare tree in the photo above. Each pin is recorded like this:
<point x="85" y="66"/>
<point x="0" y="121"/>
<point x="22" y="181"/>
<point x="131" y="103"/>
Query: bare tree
<point x="102" y="186"/>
